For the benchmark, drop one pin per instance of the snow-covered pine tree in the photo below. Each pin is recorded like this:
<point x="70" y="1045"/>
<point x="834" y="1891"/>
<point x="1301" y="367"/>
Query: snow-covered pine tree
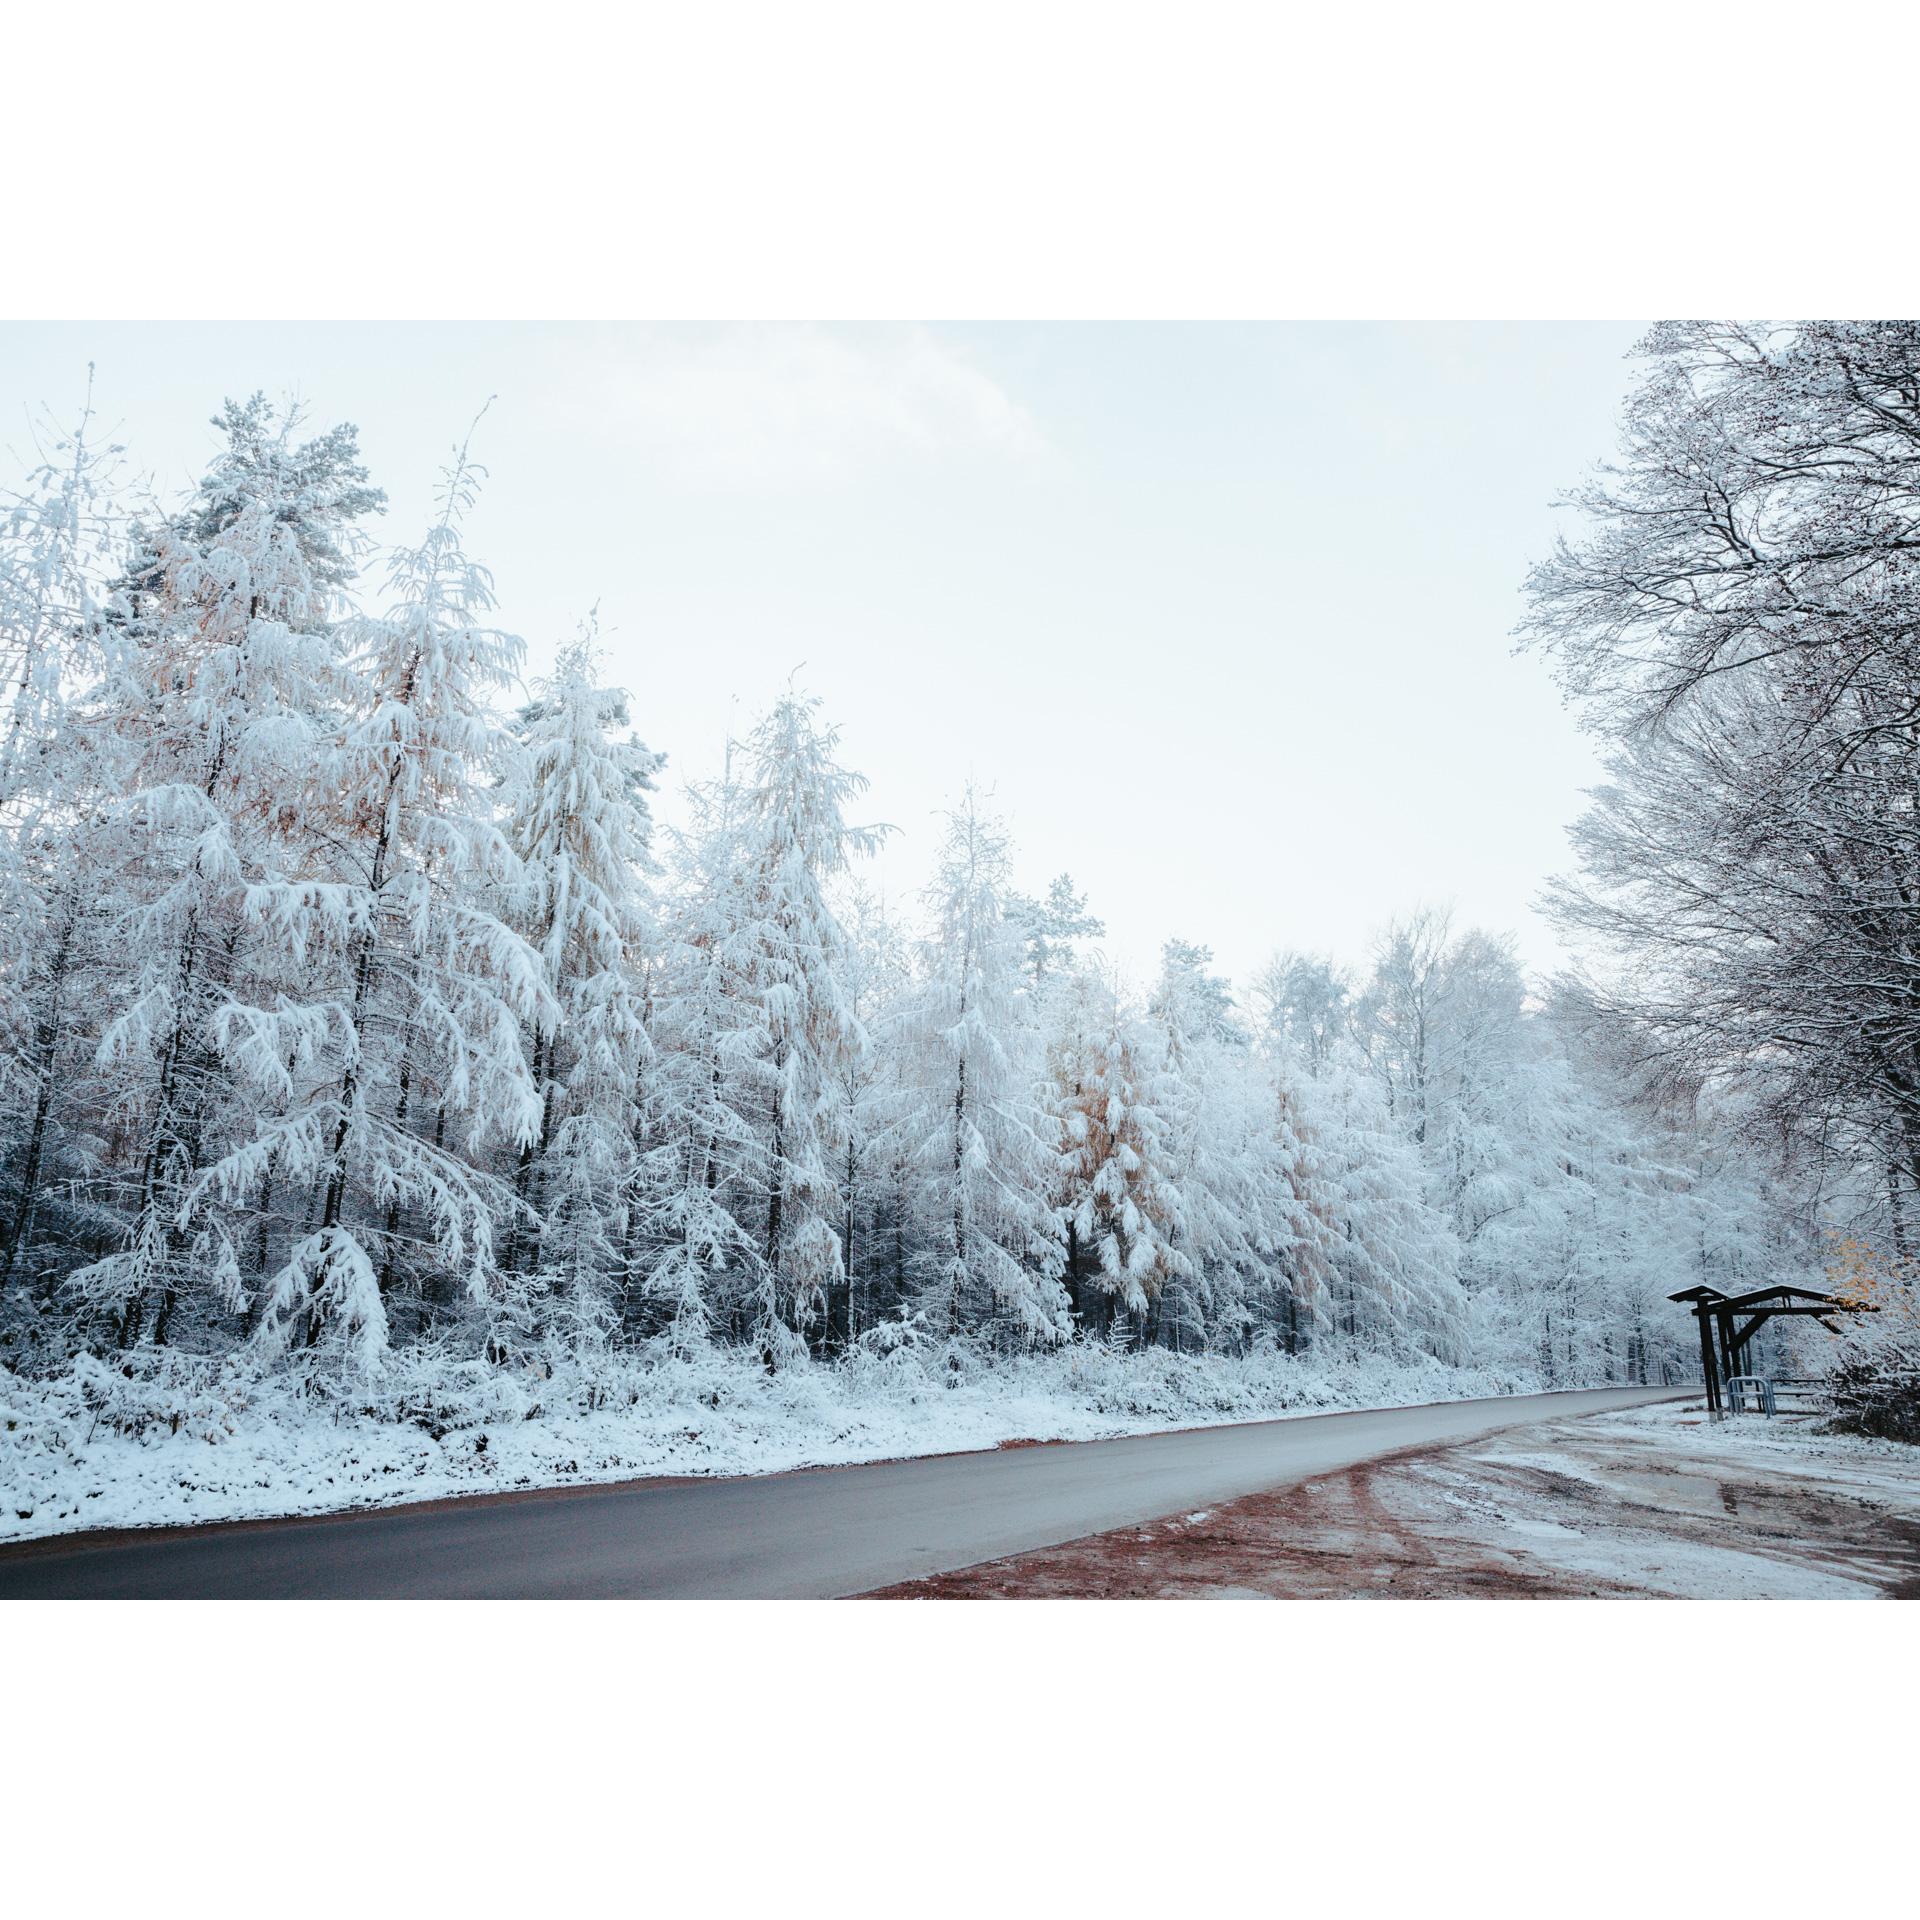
<point x="397" y="997"/>
<point x="1299" y="1302"/>
<point x="1370" y="1263"/>
<point x="1120" y="1213"/>
<point x="1223" y="1155"/>
<point x="966" y="1115"/>
<point x="577" y="819"/>
<point x="1050" y="927"/>
<point x="60" y="540"/>
<point x="786" y="952"/>
<point x="876" y="1186"/>
<point x="220" y="669"/>
<point x="702" y="1162"/>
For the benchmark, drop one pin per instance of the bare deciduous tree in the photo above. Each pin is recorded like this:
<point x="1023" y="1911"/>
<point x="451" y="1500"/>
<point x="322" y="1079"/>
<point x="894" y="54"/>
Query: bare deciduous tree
<point x="1743" y="624"/>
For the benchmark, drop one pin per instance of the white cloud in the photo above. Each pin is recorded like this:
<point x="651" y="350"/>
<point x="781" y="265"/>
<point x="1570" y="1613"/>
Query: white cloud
<point x="779" y="406"/>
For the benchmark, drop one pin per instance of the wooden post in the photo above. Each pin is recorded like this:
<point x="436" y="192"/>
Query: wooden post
<point x="1707" y="1370"/>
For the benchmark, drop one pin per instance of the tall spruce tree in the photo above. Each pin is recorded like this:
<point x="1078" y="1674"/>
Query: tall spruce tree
<point x="397" y="994"/>
<point x="966" y="1114"/>
<point x="578" y="822"/>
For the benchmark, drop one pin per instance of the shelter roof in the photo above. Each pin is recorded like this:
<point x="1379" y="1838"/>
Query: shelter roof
<point x="1777" y="1299"/>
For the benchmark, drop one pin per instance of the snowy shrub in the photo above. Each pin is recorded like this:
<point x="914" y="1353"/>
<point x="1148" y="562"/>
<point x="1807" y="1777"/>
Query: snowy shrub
<point x="892" y="1358"/>
<point x="1873" y="1364"/>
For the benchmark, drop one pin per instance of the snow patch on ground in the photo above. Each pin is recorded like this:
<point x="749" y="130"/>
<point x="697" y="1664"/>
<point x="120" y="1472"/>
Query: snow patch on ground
<point x="1790" y="1445"/>
<point x="1655" y="1470"/>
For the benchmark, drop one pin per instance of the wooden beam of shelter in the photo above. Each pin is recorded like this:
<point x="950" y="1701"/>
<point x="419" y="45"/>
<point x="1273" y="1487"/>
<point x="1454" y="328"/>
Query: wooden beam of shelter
<point x="1786" y="1297"/>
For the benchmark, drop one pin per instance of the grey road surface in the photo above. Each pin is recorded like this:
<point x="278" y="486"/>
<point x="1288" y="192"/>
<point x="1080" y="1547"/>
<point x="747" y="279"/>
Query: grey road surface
<point x="813" y="1534"/>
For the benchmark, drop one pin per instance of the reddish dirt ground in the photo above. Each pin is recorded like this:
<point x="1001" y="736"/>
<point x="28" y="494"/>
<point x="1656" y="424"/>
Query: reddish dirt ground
<point x="1332" y="1538"/>
<point x="1476" y="1522"/>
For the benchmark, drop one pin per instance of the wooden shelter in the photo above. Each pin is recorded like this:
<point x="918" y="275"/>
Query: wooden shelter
<point x="1718" y="1312"/>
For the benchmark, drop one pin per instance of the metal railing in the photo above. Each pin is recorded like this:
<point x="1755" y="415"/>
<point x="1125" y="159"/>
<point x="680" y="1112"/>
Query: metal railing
<point x="1738" y="1387"/>
<point x="1796" y="1395"/>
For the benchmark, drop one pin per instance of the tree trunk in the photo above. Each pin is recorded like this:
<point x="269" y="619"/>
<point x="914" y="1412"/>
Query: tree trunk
<point x="959" y="1196"/>
<point x="393" y="1205"/>
<point x="851" y="1170"/>
<point x="46" y="1045"/>
<point x="523" y="1176"/>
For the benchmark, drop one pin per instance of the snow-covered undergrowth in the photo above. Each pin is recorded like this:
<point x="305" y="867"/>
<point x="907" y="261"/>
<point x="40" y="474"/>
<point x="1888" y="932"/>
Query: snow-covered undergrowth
<point x="176" y="1439"/>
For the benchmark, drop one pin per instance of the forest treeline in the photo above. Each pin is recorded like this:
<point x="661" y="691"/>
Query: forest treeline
<point x="352" y="1000"/>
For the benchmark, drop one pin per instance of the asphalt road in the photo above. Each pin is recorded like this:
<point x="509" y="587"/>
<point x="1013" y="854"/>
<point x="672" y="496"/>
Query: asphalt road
<point x="814" y="1534"/>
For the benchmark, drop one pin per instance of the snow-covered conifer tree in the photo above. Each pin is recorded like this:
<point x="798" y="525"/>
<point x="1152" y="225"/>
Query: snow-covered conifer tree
<point x="1050" y="927"/>
<point x="1371" y="1262"/>
<point x="398" y="996"/>
<point x="875" y="1186"/>
<point x="967" y="1117"/>
<point x="787" y="952"/>
<point x="220" y="668"/>
<point x="1223" y="1153"/>
<point x="752" y="1122"/>
<point x="703" y="1157"/>
<point x="1120" y="1212"/>
<point x="60" y="539"/>
<point x="577" y="819"/>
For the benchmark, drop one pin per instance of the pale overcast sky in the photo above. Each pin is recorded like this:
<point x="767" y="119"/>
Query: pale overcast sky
<point x="1223" y="614"/>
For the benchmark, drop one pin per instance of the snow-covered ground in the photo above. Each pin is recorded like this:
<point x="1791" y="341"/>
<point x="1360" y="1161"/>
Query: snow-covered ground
<point x="184" y="1440"/>
<point x="1663" y="1500"/>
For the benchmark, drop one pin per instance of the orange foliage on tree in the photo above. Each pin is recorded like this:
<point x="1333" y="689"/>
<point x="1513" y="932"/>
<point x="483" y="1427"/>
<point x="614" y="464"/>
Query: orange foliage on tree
<point x="1862" y="1277"/>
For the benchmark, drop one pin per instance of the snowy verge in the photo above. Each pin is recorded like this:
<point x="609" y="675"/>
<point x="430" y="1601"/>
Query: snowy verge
<point x="169" y="1440"/>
